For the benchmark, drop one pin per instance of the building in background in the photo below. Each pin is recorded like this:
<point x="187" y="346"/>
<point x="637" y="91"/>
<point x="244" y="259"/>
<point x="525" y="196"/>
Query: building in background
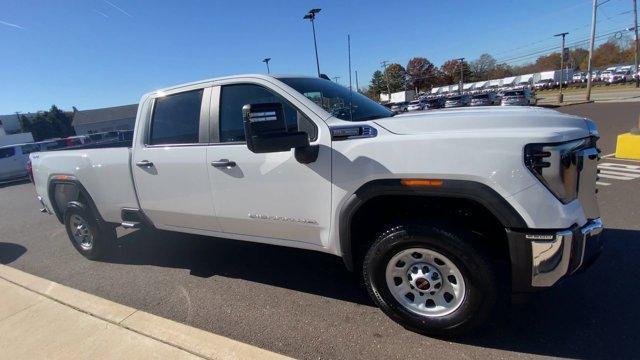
<point x="11" y="122"/>
<point x="105" y="119"/>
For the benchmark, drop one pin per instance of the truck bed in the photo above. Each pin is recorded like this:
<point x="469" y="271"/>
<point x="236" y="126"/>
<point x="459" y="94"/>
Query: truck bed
<point x="106" y="169"/>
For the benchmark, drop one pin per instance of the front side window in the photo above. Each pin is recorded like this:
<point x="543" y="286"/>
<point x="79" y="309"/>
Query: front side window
<point x="7" y="152"/>
<point x="234" y="97"/>
<point x="176" y="119"/>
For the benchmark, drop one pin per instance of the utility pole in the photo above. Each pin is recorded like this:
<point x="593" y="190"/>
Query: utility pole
<point x="635" y="28"/>
<point x="561" y="97"/>
<point x="266" y="61"/>
<point x="357" y="87"/>
<point x="311" y="15"/>
<point x="386" y="76"/>
<point x="349" y="52"/>
<point x="461" y="60"/>
<point x="593" y="39"/>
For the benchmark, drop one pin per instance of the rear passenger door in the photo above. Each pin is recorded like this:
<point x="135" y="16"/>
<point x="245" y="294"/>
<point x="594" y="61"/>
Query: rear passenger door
<point x="169" y="161"/>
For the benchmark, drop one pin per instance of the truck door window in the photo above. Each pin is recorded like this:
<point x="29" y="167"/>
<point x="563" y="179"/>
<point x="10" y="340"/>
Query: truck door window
<point x="234" y="97"/>
<point x="176" y="118"/>
<point x="7" y="152"/>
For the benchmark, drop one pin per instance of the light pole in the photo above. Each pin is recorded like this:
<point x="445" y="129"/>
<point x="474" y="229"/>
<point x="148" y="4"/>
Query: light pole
<point x="560" y="97"/>
<point x="461" y="60"/>
<point x="311" y="15"/>
<point x="266" y="61"/>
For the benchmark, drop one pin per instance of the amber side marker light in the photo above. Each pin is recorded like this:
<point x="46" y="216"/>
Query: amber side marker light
<point x="421" y="182"/>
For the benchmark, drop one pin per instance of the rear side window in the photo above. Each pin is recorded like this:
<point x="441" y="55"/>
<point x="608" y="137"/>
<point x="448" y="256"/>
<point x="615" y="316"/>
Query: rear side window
<point x="7" y="152"/>
<point x="176" y="119"/>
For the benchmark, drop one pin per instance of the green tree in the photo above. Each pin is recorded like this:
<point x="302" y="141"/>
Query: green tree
<point x="396" y="75"/>
<point x="421" y="73"/>
<point x="48" y="124"/>
<point x="378" y="85"/>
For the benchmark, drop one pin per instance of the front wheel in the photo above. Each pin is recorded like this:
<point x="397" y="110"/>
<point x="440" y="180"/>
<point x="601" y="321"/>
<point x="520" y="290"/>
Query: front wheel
<point x="430" y="280"/>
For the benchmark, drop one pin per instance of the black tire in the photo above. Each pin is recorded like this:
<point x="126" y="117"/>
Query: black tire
<point x="103" y="239"/>
<point x="477" y="271"/>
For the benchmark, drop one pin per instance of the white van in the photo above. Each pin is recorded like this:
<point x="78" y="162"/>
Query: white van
<point x="13" y="160"/>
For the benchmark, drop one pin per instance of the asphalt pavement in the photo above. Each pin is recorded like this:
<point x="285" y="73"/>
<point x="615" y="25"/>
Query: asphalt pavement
<point x="306" y="305"/>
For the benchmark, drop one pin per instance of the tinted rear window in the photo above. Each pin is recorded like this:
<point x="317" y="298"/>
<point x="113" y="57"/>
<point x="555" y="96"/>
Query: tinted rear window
<point x="176" y="119"/>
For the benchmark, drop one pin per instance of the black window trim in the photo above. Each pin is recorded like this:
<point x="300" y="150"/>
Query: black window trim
<point x="216" y="95"/>
<point x="203" y="122"/>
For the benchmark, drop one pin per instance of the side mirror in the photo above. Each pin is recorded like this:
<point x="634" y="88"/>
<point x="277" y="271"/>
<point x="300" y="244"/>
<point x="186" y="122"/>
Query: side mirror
<point x="265" y="129"/>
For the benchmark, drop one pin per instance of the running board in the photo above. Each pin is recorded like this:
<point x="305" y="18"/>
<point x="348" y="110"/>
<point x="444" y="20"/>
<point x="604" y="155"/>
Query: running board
<point x="131" y="225"/>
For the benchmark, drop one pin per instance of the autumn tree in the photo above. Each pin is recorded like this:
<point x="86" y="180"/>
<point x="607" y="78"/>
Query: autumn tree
<point x="482" y="67"/>
<point x="450" y="71"/>
<point x="421" y="73"/>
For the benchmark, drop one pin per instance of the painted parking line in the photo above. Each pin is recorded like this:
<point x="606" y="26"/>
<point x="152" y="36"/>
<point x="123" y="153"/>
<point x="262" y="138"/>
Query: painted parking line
<point x="617" y="171"/>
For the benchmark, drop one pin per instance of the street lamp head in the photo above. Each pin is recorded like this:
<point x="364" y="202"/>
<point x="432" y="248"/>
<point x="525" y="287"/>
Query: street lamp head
<point x="308" y="16"/>
<point x="314" y="11"/>
<point x="266" y="60"/>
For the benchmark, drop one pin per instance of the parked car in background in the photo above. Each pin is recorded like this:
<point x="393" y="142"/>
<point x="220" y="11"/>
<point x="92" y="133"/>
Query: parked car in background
<point x="621" y="76"/>
<point x="604" y="75"/>
<point x="485" y="99"/>
<point x="435" y="103"/>
<point x="520" y="97"/>
<point x="416" y="105"/>
<point x="458" y="101"/>
<point x="579" y="77"/>
<point x="545" y="84"/>
<point x="400" y="107"/>
<point x="13" y="160"/>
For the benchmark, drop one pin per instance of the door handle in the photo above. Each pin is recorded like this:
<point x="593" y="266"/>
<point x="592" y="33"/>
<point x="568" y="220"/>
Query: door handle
<point x="144" y="163"/>
<point x="223" y="163"/>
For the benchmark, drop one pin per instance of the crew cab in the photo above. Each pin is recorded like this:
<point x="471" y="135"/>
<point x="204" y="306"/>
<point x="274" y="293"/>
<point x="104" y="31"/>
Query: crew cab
<point x="440" y="213"/>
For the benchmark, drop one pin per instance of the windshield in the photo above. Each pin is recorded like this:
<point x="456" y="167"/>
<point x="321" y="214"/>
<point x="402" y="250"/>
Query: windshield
<point x="336" y="99"/>
<point x="454" y="98"/>
<point x="415" y="102"/>
<point x="481" y="96"/>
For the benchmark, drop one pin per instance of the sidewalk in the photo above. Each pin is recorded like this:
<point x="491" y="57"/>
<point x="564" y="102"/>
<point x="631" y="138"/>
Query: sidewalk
<point x="43" y="319"/>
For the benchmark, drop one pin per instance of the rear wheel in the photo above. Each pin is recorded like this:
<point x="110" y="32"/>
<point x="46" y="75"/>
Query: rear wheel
<point x="85" y="234"/>
<point x="430" y="280"/>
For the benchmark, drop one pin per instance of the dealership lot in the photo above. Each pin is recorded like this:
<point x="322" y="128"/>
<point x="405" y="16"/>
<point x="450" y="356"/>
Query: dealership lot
<point x="306" y="304"/>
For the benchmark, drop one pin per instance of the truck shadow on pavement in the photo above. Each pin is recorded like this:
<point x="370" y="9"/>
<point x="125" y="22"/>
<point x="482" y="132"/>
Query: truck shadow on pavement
<point x="10" y="252"/>
<point x="594" y="315"/>
<point x="272" y="265"/>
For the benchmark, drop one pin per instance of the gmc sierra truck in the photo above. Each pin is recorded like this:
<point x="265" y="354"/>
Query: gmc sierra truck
<point x="439" y="212"/>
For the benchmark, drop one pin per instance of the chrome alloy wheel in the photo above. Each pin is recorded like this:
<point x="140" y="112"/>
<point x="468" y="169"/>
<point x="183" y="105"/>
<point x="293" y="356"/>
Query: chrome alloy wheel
<point x="81" y="232"/>
<point x="425" y="282"/>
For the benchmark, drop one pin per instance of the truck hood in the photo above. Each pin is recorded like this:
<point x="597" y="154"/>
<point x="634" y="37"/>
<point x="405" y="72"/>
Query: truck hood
<point x="544" y="124"/>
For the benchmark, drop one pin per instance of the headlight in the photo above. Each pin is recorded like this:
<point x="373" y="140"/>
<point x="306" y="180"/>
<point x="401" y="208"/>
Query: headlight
<point x="558" y="166"/>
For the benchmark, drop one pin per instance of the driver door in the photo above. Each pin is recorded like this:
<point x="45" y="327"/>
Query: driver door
<point x="269" y="195"/>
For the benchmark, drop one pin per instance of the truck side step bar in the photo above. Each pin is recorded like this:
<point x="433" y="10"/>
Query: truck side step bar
<point x="131" y="225"/>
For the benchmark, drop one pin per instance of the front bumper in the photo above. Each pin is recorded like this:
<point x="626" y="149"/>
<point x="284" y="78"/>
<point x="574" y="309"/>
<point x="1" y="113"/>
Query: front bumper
<point x="541" y="258"/>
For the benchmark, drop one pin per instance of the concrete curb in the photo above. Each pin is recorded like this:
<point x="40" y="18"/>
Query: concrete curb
<point x="195" y="341"/>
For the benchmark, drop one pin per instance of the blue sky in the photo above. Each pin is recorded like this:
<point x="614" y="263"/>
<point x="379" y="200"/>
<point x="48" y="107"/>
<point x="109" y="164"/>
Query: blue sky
<point x="96" y="53"/>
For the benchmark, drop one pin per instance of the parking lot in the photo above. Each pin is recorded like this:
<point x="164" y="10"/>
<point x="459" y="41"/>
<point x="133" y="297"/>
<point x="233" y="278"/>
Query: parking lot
<point x="306" y="305"/>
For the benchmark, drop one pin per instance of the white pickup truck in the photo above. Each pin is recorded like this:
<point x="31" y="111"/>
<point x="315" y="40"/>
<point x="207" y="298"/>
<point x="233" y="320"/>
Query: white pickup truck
<point x="440" y="212"/>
